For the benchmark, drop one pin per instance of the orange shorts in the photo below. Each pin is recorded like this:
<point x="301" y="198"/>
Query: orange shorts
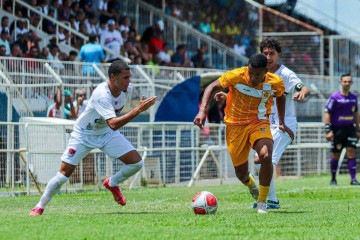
<point x="241" y="138"/>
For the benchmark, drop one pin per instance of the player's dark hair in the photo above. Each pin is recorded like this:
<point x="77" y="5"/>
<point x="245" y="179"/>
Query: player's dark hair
<point x="117" y="66"/>
<point x="345" y="75"/>
<point x="258" y="60"/>
<point x="270" y="43"/>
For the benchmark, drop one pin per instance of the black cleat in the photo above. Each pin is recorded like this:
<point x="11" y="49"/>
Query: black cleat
<point x="333" y="182"/>
<point x="354" y="182"/>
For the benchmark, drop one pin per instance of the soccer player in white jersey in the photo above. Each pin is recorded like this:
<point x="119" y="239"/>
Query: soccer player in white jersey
<point x="97" y="128"/>
<point x="294" y="91"/>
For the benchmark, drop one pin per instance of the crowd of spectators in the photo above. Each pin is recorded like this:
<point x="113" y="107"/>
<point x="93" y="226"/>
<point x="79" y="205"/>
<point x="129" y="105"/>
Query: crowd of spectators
<point x="231" y="22"/>
<point x="116" y="31"/>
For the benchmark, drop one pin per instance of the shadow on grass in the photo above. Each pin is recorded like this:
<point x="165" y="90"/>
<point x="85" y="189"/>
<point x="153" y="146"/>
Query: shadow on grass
<point x="289" y="212"/>
<point x="131" y="213"/>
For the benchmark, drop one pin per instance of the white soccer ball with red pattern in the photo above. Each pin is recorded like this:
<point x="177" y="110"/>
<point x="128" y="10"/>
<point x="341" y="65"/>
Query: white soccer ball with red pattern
<point x="204" y="202"/>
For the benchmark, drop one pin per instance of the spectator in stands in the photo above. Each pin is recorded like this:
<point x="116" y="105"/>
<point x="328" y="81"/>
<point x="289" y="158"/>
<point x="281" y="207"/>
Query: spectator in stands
<point x="16" y="51"/>
<point x="102" y="133"/>
<point x="145" y="55"/>
<point x="7" y="6"/>
<point x="5" y="24"/>
<point x="156" y="43"/>
<point x="49" y="26"/>
<point x="54" y="4"/>
<point x="32" y="66"/>
<point x="179" y="58"/>
<point x="132" y="38"/>
<point x="129" y="50"/>
<point x="190" y="21"/>
<point x="87" y="6"/>
<point x="232" y="29"/>
<point x="205" y="26"/>
<point x="80" y="17"/>
<point x="240" y="48"/>
<point x="20" y="29"/>
<point x="64" y="10"/>
<point x="91" y="25"/>
<point x="4" y="40"/>
<point x="33" y="39"/>
<point x="33" y="16"/>
<point x="62" y="35"/>
<point x="44" y="52"/>
<point x="218" y="29"/>
<point x="133" y="27"/>
<point x="44" y="6"/>
<point x="150" y="31"/>
<point x="53" y="56"/>
<point x="71" y="67"/>
<point x="125" y="24"/>
<point x="90" y="53"/>
<point x="124" y="35"/>
<point x="2" y="50"/>
<point x="54" y="109"/>
<point x="198" y="59"/>
<point x="342" y="127"/>
<point x="104" y="14"/>
<point x="74" y="8"/>
<point x="114" y="9"/>
<point x="112" y="39"/>
<point x="80" y="101"/>
<point x="164" y="55"/>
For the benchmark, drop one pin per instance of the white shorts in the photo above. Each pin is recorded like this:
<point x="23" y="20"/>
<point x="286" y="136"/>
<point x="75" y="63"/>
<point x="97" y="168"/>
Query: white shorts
<point x="112" y="143"/>
<point x="281" y="141"/>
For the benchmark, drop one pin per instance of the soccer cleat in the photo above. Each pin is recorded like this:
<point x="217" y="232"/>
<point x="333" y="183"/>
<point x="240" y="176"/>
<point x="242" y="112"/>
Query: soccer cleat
<point x="116" y="192"/>
<point x="261" y="207"/>
<point x="254" y="191"/>
<point x="354" y="182"/>
<point x="273" y="204"/>
<point x="333" y="182"/>
<point x="36" y="211"/>
<point x="270" y="204"/>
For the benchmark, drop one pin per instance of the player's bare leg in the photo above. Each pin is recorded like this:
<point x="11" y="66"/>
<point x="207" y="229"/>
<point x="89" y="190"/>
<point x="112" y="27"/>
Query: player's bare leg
<point x="263" y="147"/>
<point x="242" y="173"/>
<point x="53" y="187"/>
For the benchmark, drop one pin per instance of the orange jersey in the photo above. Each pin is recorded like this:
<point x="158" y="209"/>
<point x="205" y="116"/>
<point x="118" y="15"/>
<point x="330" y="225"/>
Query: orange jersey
<point x="246" y="104"/>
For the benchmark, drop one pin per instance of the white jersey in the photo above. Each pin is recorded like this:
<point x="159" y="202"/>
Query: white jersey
<point x="101" y="106"/>
<point x="112" y="40"/>
<point x="290" y="80"/>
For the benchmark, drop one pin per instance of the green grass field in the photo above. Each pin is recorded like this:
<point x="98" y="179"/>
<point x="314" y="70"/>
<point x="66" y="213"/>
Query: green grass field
<point x="310" y="209"/>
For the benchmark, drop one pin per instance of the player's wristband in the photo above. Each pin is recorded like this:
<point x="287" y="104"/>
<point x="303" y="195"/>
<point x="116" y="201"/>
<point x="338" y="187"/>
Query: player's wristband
<point x="327" y="128"/>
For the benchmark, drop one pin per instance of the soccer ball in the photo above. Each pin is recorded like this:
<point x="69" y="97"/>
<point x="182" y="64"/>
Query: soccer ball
<point x="204" y="203"/>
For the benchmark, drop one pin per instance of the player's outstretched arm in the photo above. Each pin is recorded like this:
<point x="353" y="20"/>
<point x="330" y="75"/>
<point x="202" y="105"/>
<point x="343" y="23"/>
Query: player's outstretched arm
<point x="302" y="92"/>
<point x="118" y="122"/>
<point x="201" y="116"/>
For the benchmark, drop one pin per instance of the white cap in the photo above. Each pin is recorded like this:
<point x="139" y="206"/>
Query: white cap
<point x="161" y="24"/>
<point x="111" y="22"/>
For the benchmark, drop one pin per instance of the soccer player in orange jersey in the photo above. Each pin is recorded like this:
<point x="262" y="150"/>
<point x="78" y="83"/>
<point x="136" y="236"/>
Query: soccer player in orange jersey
<point x="248" y="106"/>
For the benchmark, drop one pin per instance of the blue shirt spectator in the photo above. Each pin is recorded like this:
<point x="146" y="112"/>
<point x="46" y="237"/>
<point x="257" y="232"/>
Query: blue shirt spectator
<point x="91" y="52"/>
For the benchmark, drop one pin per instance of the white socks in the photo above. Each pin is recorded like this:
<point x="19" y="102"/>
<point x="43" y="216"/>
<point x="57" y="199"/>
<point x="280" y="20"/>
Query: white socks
<point x="272" y="193"/>
<point x="126" y="171"/>
<point x="52" y="187"/>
